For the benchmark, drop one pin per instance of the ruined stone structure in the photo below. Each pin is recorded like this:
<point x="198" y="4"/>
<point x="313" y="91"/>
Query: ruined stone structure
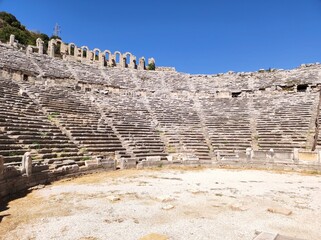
<point x="71" y="52"/>
<point x="62" y="116"/>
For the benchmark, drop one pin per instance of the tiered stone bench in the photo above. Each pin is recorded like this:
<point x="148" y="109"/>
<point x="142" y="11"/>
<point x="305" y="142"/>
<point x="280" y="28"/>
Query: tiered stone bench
<point x="284" y="120"/>
<point x="13" y="60"/>
<point x="80" y="113"/>
<point x="79" y="120"/>
<point x="51" y="67"/>
<point x="24" y="123"/>
<point x="180" y="124"/>
<point x="228" y="124"/>
<point x="134" y="124"/>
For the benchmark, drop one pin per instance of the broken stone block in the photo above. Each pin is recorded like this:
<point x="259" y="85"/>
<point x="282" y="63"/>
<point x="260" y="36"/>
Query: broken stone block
<point x="27" y="164"/>
<point x="280" y="210"/>
<point x="266" y="236"/>
<point x="113" y="198"/>
<point x="108" y="164"/>
<point x="168" y="207"/>
<point x="165" y="198"/>
<point x="238" y="207"/>
<point x="91" y="164"/>
<point x="127" y="163"/>
<point x="189" y="157"/>
<point x="74" y="168"/>
<point x="153" y="158"/>
<point x="68" y="162"/>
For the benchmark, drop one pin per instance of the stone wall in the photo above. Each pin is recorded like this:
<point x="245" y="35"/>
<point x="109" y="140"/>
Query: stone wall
<point x="72" y="52"/>
<point x="14" y="179"/>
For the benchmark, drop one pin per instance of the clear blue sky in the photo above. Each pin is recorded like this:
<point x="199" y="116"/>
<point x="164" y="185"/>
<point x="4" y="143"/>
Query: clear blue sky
<point x="195" y="36"/>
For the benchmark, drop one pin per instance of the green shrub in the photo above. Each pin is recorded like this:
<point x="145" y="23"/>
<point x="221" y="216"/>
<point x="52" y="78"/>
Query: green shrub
<point x="10" y="25"/>
<point x="151" y="66"/>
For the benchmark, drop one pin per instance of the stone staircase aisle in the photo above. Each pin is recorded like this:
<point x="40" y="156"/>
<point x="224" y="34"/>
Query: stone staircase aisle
<point x="80" y="120"/>
<point x="181" y="126"/>
<point x="127" y="155"/>
<point x="132" y="121"/>
<point x="228" y="125"/>
<point x="286" y="120"/>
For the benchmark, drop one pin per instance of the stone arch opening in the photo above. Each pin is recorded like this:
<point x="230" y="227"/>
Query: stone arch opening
<point x="71" y="49"/>
<point x="108" y="57"/>
<point x="54" y="48"/>
<point x="97" y="54"/>
<point x="84" y="51"/>
<point x="128" y="58"/>
<point x="118" y="57"/>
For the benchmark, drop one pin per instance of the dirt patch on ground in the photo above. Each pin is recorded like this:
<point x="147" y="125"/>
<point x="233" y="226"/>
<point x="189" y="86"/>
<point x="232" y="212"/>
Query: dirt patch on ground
<point x="189" y="203"/>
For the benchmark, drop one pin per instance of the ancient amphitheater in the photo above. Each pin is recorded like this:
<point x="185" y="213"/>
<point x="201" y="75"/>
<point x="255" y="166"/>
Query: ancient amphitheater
<point x="69" y="111"/>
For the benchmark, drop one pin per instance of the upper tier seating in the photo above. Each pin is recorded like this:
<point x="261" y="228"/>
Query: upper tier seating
<point x="16" y="60"/>
<point x="51" y="67"/>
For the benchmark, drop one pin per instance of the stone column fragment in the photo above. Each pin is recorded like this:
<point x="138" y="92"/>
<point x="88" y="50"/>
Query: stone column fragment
<point x="27" y="164"/>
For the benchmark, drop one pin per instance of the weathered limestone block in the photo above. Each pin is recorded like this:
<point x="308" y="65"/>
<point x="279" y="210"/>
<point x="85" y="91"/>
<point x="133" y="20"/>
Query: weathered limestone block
<point x="270" y="155"/>
<point x="141" y="65"/>
<point x="39" y="168"/>
<point x="27" y="164"/>
<point x="280" y="210"/>
<point x="108" y="164"/>
<point x="249" y="154"/>
<point x="296" y="155"/>
<point x="218" y="156"/>
<point x="153" y="158"/>
<point x="122" y="62"/>
<point x="51" y="48"/>
<point x="132" y="63"/>
<point x="92" y="164"/>
<point x="126" y="163"/>
<point x="189" y="158"/>
<point x="29" y="50"/>
<point x="68" y="169"/>
<point x="89" y="54"/>
<point x="12" y="40"/>
<point x="175" y="158"/>
<point x="224" y="94"/>
<point x="39" y="44"/>
<point x="266" y="236"/>
<point x="101" y="59"/>
<point x="73" y="168"/>
<point x="63" y="48"/>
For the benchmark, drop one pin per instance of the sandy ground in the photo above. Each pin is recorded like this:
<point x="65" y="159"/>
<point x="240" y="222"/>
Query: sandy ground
<point x="169" y="204"/>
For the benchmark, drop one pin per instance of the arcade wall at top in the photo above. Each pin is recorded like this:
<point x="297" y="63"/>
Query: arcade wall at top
<point x="72" y="52"/>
